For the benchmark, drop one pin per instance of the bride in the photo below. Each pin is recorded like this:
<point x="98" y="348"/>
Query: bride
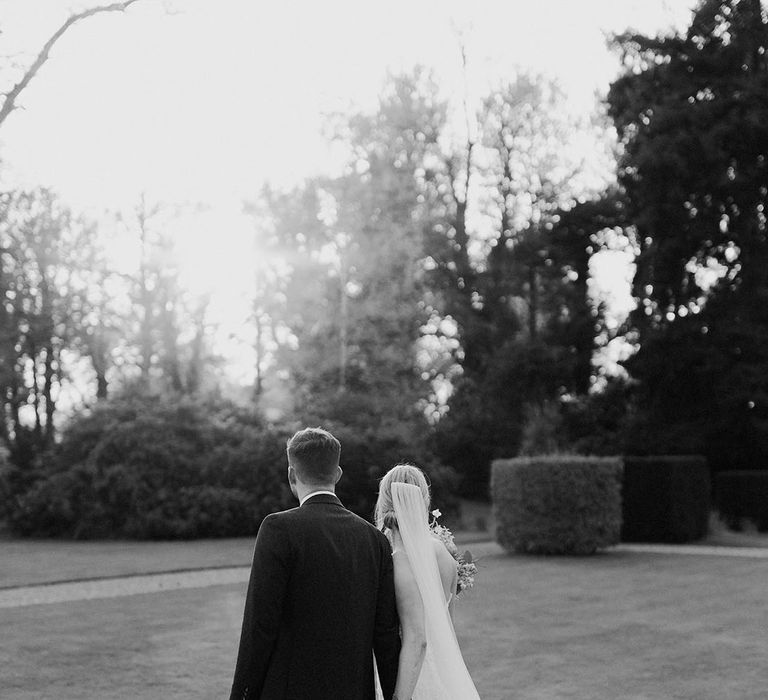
<point x="431" y="666"/>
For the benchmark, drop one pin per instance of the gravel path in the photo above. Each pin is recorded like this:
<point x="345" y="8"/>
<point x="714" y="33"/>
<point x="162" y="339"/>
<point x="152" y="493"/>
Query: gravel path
<point x="697" y="550"/>
<point x="120" y="586"/>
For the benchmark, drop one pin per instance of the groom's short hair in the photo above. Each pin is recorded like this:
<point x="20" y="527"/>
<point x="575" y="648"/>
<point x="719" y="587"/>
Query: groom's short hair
<point x="314" y="453"/>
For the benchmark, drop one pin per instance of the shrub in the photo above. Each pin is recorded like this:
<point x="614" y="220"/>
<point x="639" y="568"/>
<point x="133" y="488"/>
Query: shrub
<point x="598" y="423"/>
<point x="665" y="499"/>
<point x="557" y="504"/>
<point x="366" y="455"/>
<point x="742" y="495"/>
<point x="143" y="466"/>
<point x="543" y="430"/>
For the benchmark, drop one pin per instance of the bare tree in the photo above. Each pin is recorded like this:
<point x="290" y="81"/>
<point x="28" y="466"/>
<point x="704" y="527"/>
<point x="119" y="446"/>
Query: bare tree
<point x="43" y="289"/>
<point x="9" y="104"/>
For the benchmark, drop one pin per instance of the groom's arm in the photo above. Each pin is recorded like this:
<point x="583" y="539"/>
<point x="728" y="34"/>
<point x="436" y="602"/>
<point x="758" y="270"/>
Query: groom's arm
<point x="263" y="608"/>
<point x="386" y="639"/>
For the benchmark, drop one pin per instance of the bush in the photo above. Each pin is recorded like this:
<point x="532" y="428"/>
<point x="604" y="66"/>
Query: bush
<point x="143" y="466"/>
<point x="543" y="430"/>
<point x="665" y="499"/>
<point x="558" y="504"/>
<point x="366" y="455"/>
<point x="599" y="423"/>
<point x="742" y="495"/>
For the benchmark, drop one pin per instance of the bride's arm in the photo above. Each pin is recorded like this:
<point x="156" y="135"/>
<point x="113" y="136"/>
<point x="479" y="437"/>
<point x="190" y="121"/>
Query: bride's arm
<point x="449" y="574"/>
<point x="454" y="588"/>
<point x="411" y="612"/>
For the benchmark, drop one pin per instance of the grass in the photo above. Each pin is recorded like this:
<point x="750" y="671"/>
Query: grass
<point x="617" y="625"/>
<point x="27" y="562"/>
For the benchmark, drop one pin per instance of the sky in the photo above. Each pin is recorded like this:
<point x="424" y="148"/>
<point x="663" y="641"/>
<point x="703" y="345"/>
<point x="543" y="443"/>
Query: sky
<point x="200" y="102"/>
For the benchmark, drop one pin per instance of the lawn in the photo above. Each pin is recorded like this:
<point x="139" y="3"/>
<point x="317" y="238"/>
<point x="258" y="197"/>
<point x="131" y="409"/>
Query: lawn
<point x="26" y="562"/>
<point x="617" y="625"/>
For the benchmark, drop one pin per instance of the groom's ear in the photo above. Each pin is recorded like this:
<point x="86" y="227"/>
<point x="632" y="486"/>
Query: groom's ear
<point x="339" y="472"/>
<point x="291" y="475"/>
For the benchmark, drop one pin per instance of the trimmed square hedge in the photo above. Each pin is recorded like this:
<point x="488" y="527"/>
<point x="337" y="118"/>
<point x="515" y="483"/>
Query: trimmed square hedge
<point x="560" y="504"/>
<point x="665" y="499"/>
<point x="741" y="495"/>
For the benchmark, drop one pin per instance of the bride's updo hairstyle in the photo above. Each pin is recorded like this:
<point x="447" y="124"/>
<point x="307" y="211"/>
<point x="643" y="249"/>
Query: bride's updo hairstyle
<point x="384" y="513"/>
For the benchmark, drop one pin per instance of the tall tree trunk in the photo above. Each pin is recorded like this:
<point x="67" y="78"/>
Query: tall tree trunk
<point x="533" y="302"/>
<point x="50" y="404"/>
<point x="498" y="257"/>
<point x="32" y="350"/>
<point x="145" y="296"/>
<point x="99" y="359"/>
<point x="258" y="384"/>
<point x="14" y="401"/>
<point x="195" y="370"/>
<point x="462" y="202"/>
<point x="102" y="386"/>
<point x="170" y="341"/>
<point x="463" y="276"/>
<point x="343" y="321"/>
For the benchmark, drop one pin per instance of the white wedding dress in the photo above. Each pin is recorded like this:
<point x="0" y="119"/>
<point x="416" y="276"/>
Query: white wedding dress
<point x="444" y="675"/>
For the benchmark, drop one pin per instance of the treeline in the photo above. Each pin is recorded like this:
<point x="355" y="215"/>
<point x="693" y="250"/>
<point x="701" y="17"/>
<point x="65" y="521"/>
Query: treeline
<point x="434" y="264"/>
<point x="473" y="258"/>
<point x="434" y="300"/>
<point x="692" y="119"/>
<point x="72" y="313"/>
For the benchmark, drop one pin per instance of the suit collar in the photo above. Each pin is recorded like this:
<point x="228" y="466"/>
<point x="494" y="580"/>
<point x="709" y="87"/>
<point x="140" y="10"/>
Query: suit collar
<point x="318" y="498"/>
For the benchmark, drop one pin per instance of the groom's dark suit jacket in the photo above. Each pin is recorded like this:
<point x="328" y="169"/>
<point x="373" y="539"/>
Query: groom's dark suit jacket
<point x="320" y="602"/>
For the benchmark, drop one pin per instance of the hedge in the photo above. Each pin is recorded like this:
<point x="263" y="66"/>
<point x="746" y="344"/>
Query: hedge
<point x="743" y="495"/>
<point x="145" y="466"/>
<point x="560" y="504"/>
<point x="665" y="499"/>
<point x="152" y="467"/>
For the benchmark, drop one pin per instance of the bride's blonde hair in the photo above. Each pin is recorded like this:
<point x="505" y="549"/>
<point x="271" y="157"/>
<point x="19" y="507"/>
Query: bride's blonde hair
<point x="384" y="513"/>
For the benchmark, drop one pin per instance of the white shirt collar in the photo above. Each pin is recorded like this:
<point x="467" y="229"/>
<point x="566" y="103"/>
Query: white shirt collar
<point x="315" y="493"/>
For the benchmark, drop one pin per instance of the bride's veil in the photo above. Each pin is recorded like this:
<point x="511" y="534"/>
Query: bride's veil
<point x="442" y="648"/>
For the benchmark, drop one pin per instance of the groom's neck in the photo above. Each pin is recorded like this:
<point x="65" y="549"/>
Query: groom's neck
<point x="303" y="492"/>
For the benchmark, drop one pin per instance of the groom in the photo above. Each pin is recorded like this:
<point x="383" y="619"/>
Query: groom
<point x="321" y="597"/>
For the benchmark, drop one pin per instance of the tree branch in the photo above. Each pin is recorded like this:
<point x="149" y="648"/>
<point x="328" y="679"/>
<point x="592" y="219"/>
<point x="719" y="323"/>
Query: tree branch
<point x="10" y="98"/>
<point x="470" y="139"/>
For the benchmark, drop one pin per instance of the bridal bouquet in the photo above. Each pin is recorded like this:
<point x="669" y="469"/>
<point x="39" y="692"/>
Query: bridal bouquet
<point x="465" y="564"/>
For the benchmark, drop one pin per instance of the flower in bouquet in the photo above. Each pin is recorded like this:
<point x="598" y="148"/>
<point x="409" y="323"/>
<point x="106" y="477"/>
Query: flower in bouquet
<point x="465" y="563"/>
